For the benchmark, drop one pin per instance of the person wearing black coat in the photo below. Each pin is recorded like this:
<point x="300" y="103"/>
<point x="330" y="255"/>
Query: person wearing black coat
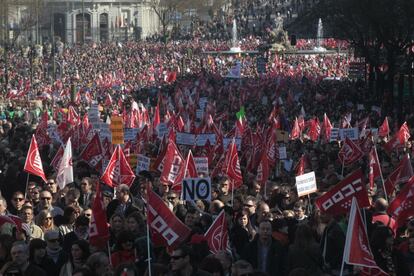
<point x="264" y="253"/>
<point x="124" y="203"/>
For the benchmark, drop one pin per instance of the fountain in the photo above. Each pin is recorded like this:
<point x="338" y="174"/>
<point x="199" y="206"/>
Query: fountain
<point x="235" y="48"/>
<point x="319" y="37"/>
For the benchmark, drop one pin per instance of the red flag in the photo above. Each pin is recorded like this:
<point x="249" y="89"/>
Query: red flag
<point x="190" y="167"/>
<point x="327" y="128"/>
<point x="41" y="131"/>
<point x="357" y="250"/>
<point x="33" y="162"/>
<point x="217" y="235"/>
<point x="295" y="134"/>
<point x="93" y="153"/>
<point x="166" y="228"/>
<point x="314" y="129"/>
<point x="98" y="227"/>
<point x="399" y="139"/>
<point x="402" y="207"/>
<point x="384" y="129"/>
<point x="272" y="149"/>
<point x="350" y="152"/>
<point x="56" y="160"/>
<point x="374" y="166"/>
<point x="73" y="117"/>
<point x="118" y="170"/>
<point x="402" y="173"/>
<point x="263" y="170"/>
<point x="338" y="200"/>
<point x="156" y="120"/>
<point x="302" y="165"/>
<point x="173" y="167"/>
<point x="231" y="166"/>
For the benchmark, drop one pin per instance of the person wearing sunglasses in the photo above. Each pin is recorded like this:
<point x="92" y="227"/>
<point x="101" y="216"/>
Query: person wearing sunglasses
<point x="45" y="221"/>
<point x="55" y="251"/>
<point x="17" y="202"/>
<point x="45" y="203"/>
<point x="180" y="262"/>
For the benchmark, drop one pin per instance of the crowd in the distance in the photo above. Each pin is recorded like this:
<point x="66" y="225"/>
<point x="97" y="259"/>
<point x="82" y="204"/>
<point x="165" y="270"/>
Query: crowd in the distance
<point x="271" y="230"/>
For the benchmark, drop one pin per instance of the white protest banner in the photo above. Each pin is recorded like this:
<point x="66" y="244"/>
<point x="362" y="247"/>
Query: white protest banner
<point x="183" y="138"/>
<point x="196" y="188"/>
<point x="282" y="153"/>
<point x="351" y="133"/>
<point x="201" y="139"/>
<point x="201" y="164"/>
<point x="130" y="134"/>
<point x="227" y="141"/>
<point x="334" y="135"/>
<point x="306" y="184"/>
<point x="143" y="163"/>
<point x="162" y="130"/>
<point x="104" y="131"/>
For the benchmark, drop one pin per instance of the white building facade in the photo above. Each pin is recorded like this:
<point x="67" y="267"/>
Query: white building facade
<point x="76" y="21"/>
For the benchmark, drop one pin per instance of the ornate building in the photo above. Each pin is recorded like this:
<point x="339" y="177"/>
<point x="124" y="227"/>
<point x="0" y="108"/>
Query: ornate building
<point x="75" y="21"/>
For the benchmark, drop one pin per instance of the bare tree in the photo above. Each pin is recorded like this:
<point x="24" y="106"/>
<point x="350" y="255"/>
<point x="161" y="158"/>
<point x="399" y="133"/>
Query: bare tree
<point x="168" y="10"/>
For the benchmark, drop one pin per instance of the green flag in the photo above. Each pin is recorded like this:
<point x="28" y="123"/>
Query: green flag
<point x="241" y="114"/>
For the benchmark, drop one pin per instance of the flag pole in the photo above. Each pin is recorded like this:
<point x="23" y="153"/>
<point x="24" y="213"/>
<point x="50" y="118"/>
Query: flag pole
<point x="227" y="170"/>
<point x="382" y="178"/>
<point x="148" y="235"/>
<point x="27" y="183"/>
<point x="148" y="251"/>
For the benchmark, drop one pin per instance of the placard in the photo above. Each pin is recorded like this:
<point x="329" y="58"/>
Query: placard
<point x="143" y="163"/>
<point x="132" y="160"/>
<point x="282" y="136"/>
<point x="117" y="130"/>
<point x="201" y="164"/>
<point x="306" y="184"/>
<point x="162" y="129"/>
<point x="201" y="139"/>
<point x="199" y="114"/>
<point x="130" y="134"/>
<point x="351" y="133"/>
<point x="196" y="188"/>
<point x="202" y="102"/>
<point x="183" y="138"/>
<point x="334" y="135"/>
<point x="282" y="152"/>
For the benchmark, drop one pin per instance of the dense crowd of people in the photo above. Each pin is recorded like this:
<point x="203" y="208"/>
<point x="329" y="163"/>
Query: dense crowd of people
<point x="271" y="230"/>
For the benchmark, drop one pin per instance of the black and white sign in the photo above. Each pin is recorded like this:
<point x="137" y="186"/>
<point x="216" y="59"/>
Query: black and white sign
<point x="196" y="188"/>
<point x="306" y="184"/>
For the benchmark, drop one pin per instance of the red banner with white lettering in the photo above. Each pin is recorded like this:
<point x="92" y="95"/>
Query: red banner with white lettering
<point x="338" y="200"/>
<point x="118" y="170"/>
<point x="166" y="228"/>
<point x="98" y="228"/>
<point x="357" y="250"/>
<point x="33" y="164"/>
<point x="402" y="207"/>
<point x="349" y="153"/>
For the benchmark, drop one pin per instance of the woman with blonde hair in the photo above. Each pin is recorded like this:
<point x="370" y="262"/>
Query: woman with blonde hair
<point x="45" y="221"/>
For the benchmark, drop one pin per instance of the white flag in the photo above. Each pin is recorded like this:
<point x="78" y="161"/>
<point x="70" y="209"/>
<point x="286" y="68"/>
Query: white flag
<point x="65" y="172"/>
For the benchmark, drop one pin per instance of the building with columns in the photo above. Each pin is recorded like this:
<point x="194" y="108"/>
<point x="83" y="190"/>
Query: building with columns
<point x="75" y="21"/>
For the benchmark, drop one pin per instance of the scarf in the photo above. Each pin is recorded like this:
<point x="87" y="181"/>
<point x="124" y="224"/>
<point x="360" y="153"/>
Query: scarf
<point x="53" y="253"/>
